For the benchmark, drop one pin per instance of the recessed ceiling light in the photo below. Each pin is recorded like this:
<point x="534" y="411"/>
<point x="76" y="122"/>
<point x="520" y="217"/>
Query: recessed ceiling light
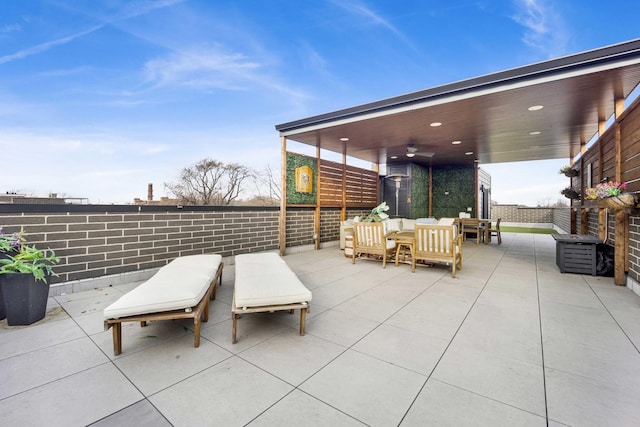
<point x="344" y="139"/>
<point x="435" y="124"/>
<point x="535" y="132"/>
<point x="411" y="154"/>
<point x="468" y="153"/>
<point x="393" y="157"/>
<point x="535" y="107"/>
<point x="477" y="161"/>
<point x="456" y="142"/>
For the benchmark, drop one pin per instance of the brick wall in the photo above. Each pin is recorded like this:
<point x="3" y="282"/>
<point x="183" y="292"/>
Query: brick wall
<point x="329" y="225"/>
<point x="299" y="226"/>
<point x="517" y="213"/>
<point x="94" y="241"/>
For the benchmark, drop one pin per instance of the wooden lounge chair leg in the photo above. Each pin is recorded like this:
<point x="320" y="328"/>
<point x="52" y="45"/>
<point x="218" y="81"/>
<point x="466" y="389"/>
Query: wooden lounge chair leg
<point x="205" y="314"/>
<point x="143" y="324"/>
<point x="196" y="331"/>
<point x="234" y="327"/>
<point x="303" y="318"/>
<point x="117" y="338"/>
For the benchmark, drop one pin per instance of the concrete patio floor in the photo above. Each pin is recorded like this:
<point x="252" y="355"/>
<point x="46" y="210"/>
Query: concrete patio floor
<point x="509" y="341"/>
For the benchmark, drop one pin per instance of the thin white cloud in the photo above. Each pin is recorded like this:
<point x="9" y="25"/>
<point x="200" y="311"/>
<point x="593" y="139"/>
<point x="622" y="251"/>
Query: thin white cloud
<point x="359" y="9"/>
<point x="201" y="69"/>
<point x="545" y="30"/>
<point x="43" y="47"/>
<point x="131" y="10"/>
<point x="213" y="68"/>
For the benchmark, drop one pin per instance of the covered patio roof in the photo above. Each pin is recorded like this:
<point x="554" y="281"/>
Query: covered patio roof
<point x="488" y="119"/>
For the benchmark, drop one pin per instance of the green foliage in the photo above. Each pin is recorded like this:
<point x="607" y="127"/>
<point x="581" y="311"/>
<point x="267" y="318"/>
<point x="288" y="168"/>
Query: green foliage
<point x="29" y="259"/>
<point x="294" y="161"/>
<point x="11" y="242"/>
<point x="453" y="191"/>
<point x="419" y="191"/>
<point x="378" y="213"/>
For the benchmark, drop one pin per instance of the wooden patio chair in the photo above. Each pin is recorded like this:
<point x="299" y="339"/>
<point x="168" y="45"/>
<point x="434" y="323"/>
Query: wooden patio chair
<point x="371" y="238"/>
<point x="471" y="225"/>
<point x="438" y="244"/>
<point x="495" y="231"/>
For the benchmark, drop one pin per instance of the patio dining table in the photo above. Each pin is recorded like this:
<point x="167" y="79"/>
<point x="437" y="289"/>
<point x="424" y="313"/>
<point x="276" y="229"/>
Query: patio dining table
<point x="483" y="227"/>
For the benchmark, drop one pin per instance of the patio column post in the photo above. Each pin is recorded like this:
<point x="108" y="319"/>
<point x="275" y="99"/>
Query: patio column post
<point x="430" y="190"/>
<point x="602" y="213"/>
<point x="316" y="217"/>
<point x="343" y="210"/>
<point x="282" y="226"/>
<point x="621" y="263"/>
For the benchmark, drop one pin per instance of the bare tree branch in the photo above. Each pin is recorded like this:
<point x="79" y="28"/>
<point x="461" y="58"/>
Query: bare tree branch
<point x="210" y="182"/>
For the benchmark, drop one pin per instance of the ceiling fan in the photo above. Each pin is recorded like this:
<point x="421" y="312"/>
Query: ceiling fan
<point x="412" y="151"/>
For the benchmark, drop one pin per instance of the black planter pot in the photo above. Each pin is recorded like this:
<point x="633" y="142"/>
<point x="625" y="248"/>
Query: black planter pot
<point x="3" y="255"/>
<point x="3" y="315"/>
<point x="25" y="298"/>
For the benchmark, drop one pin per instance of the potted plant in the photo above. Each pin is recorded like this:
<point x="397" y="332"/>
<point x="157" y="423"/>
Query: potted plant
<point x="24" y="283"/>
<point x="570" y="193"/>
<point x="378" y="213"/>
<point x="9" y="245"/>
<point x="611" y="194"/>
<point x="569" y="171"/>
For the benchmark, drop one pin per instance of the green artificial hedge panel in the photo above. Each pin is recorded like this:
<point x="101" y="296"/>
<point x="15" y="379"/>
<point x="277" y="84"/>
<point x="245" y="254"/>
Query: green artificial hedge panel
<point x="294" y="161"/>
<point x="453" y="191"/>
<point x="419" y="191"/>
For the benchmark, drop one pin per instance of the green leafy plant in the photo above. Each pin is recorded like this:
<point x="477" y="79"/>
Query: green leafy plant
<point x="570" y="193"/>
<point x="28" y="259"/>
<point x="565" y="169"/>
<point x="378" y="213"/>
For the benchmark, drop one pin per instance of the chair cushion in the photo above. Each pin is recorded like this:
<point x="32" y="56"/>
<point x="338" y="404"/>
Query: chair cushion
<point x="392" y="224"/>
<point x="430" y="220"/>
<point x="178" y="285"/>
<point x="408" y="224"/>
<point x="265" y="279"/>
<point x="446" y="221"/>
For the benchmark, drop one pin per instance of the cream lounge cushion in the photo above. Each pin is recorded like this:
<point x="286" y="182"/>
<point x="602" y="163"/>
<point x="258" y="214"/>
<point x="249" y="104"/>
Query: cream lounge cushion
<point x="446" y="221"/>
<point x="181" y="284"/>
<point x="264" y="279"/>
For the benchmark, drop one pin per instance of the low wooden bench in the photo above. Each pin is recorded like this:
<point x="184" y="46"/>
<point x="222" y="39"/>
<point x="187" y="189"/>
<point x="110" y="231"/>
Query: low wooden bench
<point x="265" y="283"/>
<point x="179" y="290"/>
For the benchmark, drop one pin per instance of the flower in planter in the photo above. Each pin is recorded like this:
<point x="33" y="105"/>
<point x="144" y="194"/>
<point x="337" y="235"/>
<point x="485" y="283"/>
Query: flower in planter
<point x="11" y="242"/>
<point x="605" y="189"/>
<point x="378" y="213"/>
<point x="23" y="258"/>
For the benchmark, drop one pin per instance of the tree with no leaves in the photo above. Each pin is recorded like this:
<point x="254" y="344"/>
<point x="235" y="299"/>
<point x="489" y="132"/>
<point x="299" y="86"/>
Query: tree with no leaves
<point x="209" y="182"/>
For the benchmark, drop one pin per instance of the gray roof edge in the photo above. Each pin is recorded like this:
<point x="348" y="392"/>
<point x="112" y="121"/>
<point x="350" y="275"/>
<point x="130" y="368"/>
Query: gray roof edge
<point x="613" y="53"/>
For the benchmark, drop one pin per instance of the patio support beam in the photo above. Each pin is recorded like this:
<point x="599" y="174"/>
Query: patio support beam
<point x="621" y="262"/>
<point x="430" y="191"/>
<point x="282" y="231"/>
<point x="343" y="211"/>
<point x="602" y="224"/>
<point x="316" y="217"/>
<point x="476" y="199"/>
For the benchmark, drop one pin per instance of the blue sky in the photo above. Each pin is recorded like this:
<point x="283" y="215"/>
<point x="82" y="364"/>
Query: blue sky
<point x="99" y="98"/>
